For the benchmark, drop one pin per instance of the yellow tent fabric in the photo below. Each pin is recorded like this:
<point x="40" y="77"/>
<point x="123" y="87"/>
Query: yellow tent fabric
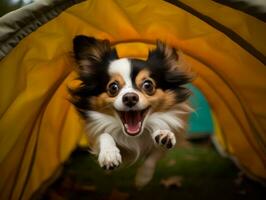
<point x="38" y="126"/>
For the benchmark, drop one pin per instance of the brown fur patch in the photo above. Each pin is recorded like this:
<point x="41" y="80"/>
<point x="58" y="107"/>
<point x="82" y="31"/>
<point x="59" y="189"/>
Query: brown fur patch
<point x="103" y="103"/>
<point x="142" y="75"/>
<point x="162" y="100"/>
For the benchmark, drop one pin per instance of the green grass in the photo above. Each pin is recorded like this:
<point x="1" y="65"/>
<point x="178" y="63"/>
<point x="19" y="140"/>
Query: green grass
<point x="205" y="175"/>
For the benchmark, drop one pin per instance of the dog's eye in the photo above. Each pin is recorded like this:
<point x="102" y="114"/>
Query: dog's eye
<point x="113" y="89"/>
<point x="148" y="87"/>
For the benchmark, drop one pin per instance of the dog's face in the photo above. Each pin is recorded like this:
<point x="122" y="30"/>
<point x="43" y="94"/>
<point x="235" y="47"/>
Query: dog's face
<point x="128" y="89"/>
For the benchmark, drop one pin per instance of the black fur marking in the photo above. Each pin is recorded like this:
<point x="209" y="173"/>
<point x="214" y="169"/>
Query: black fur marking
<point x="93" y="57"/>
<point x="164" y="140"/>
<point x="157" y="138"/>
<point x="169" y="144"/>
<point x="81" y="44"/>
<point x="136" y="67"/>
<point x="161" y="62"/>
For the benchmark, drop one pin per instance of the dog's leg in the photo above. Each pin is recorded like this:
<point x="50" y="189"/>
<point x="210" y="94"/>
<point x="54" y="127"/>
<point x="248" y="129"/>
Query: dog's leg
<point x="146" y="170"/>
<point x="109" y="155"/>
<point x="164" y="138"/>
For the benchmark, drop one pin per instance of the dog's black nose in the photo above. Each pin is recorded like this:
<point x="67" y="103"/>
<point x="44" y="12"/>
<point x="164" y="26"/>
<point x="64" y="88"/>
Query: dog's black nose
<point x="130" y="99"/>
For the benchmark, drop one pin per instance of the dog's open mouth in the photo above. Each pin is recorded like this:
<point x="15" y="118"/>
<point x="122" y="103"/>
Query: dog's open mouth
<point x="133" y="120"/>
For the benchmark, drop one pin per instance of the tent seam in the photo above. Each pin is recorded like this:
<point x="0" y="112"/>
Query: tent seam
<point x="220" y="27"/>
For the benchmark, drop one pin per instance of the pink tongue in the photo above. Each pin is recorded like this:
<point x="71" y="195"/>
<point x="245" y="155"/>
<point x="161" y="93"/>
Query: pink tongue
<point x="133" y="129"/>
<point x="133" y="121"/>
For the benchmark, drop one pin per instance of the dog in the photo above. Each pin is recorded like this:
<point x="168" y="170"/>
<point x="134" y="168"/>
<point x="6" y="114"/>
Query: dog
<point x="132" y="108"/>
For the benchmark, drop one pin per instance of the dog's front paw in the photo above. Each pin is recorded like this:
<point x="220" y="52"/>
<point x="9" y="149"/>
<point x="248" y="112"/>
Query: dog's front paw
<point x="109" y="158"/>
<point x="164" y="138"/>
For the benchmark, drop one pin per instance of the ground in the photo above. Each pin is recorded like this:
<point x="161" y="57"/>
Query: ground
<point x="196" y="172"/>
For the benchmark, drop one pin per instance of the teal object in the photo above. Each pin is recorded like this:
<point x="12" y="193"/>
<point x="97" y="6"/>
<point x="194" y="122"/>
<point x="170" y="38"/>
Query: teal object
<point x="200" y="121"/>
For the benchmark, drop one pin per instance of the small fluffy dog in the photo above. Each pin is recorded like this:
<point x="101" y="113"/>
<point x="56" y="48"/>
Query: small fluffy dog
<point x="132" y="107"/>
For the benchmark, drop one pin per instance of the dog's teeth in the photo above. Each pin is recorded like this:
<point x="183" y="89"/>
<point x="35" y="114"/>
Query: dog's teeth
<point x="126" y="126"/>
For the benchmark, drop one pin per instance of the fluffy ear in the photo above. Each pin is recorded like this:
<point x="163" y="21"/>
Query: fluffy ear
<point x="165" y="55"/>
<point x="91" y="53"/>
<point x="167" y="67"/>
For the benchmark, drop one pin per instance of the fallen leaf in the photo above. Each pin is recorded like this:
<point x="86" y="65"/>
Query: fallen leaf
<point x="117" y="195"/>
<point x="71" y="184"/>
<point x="84" y="188"/>
<point x="173" y="181"/>
<point x="190" y="157"/>
<point x="171" y="163"/>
